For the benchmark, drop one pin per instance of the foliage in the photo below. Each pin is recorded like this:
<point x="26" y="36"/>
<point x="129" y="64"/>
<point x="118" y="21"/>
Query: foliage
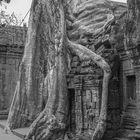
<point x="7" y="19"/>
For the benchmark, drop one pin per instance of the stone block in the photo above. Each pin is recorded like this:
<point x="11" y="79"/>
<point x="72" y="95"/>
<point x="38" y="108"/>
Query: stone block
<point x="86" y="63"/>
<point x="86" y="70"/>
<point x="74" y="64"/>
<point x="109" y="125"/>
<point x="75" y="58"/>
<point x="94" y="97"/>
<point x="2" y="60"/>
<point x="10" y="61"/>
<point x="94" y="105"/>
<point x="88" y="95"/>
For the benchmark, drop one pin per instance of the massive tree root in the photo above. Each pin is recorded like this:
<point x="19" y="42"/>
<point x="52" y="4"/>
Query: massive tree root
<point x="85" y="53"/>
<point x="90" y="21"/>
<point x="48" y="126"/>
<point x="52" y="122"/>
<point x="27" y="100"/>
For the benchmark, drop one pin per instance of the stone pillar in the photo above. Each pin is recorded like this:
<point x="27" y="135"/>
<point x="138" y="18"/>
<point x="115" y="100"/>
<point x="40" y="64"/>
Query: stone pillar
<point x="137" y="130"/>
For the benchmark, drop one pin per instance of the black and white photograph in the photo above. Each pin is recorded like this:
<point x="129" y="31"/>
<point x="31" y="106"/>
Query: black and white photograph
<point x="69" y="69"/>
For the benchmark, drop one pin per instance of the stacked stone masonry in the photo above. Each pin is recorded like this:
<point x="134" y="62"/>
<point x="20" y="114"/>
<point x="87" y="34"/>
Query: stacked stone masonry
<point x="85" y="79"/>
<point x="84" y="84"/>
<point x="87" y="87"/>
<point x="12" y="40"/>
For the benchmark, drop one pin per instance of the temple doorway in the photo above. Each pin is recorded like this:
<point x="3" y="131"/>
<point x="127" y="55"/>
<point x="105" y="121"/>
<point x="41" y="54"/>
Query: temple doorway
<point x="72" y="123"/>
<point x="129" y="116"/>
<point x="131" y="87"/>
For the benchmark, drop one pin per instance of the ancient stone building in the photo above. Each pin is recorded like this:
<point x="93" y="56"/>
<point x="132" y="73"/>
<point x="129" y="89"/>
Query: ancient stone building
<point x="84" y="82"/>
<point x="123" y="100"/>
<point x="12" y="40"/>
<point x="85" y="79"/>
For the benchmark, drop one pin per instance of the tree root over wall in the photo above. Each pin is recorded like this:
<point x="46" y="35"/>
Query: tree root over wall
<point x="52" y="122"/>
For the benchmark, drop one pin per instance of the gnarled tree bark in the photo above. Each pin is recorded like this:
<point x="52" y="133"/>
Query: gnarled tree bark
<point x="83" y="53"/>
<point x="27" y="100"/>
<point x="48" y="18"/>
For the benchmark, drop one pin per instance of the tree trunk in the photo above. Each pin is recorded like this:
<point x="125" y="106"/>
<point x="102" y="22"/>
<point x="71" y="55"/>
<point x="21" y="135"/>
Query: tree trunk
<point x="37" y="60"/>
<point x="47" y="31"/>
<point x="26" y="104"/>
<point x="52" y="122"/>
<point x="52" y="130"/>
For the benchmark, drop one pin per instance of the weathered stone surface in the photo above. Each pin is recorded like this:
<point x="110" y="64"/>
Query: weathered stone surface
<point x="132" y="37"/>
<point x="92" y="27"/>
<point x="13" y="35"/>
<point x="12" y="40"/>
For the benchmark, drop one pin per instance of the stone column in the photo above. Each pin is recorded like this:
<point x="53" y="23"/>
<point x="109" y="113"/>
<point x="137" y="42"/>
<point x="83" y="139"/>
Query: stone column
<point x="137" y="130"/>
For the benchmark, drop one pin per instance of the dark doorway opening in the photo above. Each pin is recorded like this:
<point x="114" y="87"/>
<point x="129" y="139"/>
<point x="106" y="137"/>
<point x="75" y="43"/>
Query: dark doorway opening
<point x="131" y="87"/>
<point x="72" y="109"/>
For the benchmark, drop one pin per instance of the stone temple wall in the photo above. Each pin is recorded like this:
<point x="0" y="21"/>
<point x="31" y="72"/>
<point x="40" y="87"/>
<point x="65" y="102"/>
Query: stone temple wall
<point x="114" y="109"/>
<point x="86" y="99"/>
<point x="9" y="64"/>
<point x="85" y="86"/>
<point x="12" y="39"/>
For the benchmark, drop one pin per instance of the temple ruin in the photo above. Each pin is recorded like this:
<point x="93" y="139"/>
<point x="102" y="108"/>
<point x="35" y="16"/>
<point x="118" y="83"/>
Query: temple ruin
<point x="84" y="81"/>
